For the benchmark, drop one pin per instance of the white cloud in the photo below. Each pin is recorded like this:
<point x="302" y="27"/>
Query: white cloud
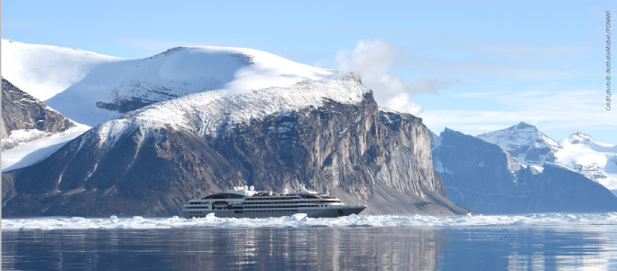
<point x="373" y="61"/>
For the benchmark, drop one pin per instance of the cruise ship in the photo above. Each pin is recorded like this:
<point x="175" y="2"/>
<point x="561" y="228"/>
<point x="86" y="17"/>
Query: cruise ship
<point x="245" y="202"/>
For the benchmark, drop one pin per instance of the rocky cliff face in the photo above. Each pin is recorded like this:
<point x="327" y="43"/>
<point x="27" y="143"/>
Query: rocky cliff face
<point x="353" y="151"/>
<point x="485" y="178"/>
<point x="22" y="113"/>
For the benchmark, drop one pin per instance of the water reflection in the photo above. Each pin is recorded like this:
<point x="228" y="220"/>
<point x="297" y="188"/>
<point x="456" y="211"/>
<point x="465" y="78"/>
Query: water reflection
<point x="309" y="248"/>
<point x="530" y="248"/>
<point x="217" y="249"/>
<point x="395" y="248"/>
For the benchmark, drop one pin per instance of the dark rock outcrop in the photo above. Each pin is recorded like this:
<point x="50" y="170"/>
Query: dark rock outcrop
<point x="21" y="111"/>
<point x="356" y="152"/>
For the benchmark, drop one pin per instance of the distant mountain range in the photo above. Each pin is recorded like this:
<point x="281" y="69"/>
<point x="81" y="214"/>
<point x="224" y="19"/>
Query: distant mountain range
<point x="175" y="126"/>
<point x="579" y="152"/>
<point x="521" y="170"/>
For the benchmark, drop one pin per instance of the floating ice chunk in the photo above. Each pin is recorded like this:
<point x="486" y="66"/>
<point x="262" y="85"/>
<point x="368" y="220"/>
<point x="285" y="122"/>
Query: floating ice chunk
<point x="299" y="217"/>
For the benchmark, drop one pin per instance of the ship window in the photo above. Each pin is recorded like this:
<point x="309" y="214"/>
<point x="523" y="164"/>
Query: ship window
<point x="224" y="196"/>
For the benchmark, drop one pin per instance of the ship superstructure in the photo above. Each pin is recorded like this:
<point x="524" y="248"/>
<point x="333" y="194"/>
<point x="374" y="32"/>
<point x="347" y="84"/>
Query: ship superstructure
<point x="242" y="201"/>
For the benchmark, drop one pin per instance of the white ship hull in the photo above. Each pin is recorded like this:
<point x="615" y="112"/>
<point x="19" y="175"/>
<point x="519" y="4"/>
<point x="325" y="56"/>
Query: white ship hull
<point x="337" y="211"/>
<point x="241" y="202"/>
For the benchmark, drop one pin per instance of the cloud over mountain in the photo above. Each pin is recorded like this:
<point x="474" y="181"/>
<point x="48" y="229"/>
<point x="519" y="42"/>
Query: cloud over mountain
<point x="374" y="61"/>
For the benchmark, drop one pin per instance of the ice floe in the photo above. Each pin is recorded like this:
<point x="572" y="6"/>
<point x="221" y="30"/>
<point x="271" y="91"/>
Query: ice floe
<point x="300" y="220"/>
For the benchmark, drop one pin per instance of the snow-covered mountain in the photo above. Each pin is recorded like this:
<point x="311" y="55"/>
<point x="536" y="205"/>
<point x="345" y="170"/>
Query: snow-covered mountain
<point x="595" y="160"/>
<point x="525" y="143"/>
<point x="579" y="152"/>
<point x="485" y="178"/>
<point x="176" y="125"/>
<point x="90" y="88"/>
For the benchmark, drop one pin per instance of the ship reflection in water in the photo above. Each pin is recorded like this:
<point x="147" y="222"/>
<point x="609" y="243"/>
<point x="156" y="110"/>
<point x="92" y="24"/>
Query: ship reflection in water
<point x="322" y="248"/>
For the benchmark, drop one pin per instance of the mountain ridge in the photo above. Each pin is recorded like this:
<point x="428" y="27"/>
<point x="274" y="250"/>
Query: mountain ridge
<point x="271" y="122"/>
<point x="578" y="152"/>
<point x="485" y="178"/>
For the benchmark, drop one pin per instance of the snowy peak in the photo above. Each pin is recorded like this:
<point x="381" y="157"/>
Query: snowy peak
<point x="595" y="160"/>
<point x="525" y="143"/>
<point x="91" y="89"/>
<point x="522" y="125"/>
<point x="220" y="65"/>
<point x="580" y="138"/>
<point x="579" y="152"/>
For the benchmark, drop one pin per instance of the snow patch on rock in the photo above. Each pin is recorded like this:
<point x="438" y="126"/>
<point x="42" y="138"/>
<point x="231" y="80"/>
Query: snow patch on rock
<point x="39" y="149"/>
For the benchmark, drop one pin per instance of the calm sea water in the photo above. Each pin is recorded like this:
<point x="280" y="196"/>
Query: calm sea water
<point x="477" y="247"/>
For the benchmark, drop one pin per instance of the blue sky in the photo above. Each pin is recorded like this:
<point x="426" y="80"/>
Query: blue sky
<point x="472" y="66"/>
